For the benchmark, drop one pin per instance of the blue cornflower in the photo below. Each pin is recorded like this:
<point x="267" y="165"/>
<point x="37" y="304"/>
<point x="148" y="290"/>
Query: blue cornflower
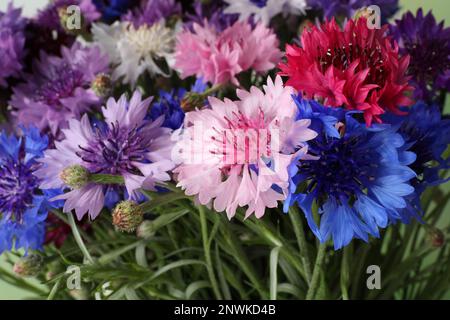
<point x="169" y="105"/>
<point x="428" y="136"/>
<point x="360" y="180"/>
<point x="22" y="209"/>
<point x="113" y="9"/>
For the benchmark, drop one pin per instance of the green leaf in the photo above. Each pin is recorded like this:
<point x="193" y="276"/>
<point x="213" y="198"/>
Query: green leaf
<point x="108" y="257"/>
<point x="159" y="200"/>
<point x="194" y="287"/>
<point x="174" y="265"/>
<point x="274" y="253"/>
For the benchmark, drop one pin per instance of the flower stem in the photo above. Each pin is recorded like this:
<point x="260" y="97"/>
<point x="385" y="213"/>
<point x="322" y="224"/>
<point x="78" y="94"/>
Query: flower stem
<point x="102" y="178"/>
<point x="54" y="290"/>
<point x="297" y="223"/>
<point x="316" y="273"/>
<point x="78" y="239"/>
<point x="206" y="248"/>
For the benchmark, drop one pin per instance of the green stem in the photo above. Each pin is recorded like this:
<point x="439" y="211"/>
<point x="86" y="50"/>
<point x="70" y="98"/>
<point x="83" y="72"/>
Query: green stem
<point x="149" y="206"/>
<point x="316" y="273"/>
<point x="243" y="261"/>
<point x="20" y="283"/>
<point x="211" y="90"/>
<point x="102" y="178"/>
<point x="78" y="238"/>
<point x="54" y="291"/>
<point x="297" y="223"/>
<point x="345" y="272"/>
<point x="206" y="248"/>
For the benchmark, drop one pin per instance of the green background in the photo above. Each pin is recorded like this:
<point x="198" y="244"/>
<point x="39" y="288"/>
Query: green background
<point x="440" y="8"/>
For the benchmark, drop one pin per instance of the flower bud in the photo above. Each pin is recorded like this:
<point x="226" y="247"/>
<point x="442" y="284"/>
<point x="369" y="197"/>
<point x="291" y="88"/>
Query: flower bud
<point x="70" y="23"/>
<point x="102" y="85"/>
<point x="435" y="237"/>
<point x="127" y="215"/>
<point x="28" y="266"/>
<point x="191" y="101"/>
<point x="75" y="176"/>
<point x="145" y="230"/>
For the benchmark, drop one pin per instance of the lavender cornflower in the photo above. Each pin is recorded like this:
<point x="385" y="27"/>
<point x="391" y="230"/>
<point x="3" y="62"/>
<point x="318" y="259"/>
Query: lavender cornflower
<point x="59" y="88"/>
<point x="125" y="145"/>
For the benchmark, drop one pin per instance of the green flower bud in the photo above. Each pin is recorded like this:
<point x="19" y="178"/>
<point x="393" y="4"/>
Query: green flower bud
<point x="145" y="230"/>
<point x="102" y="85"/>
<point x="75" y="176"/>
<point x="29" y="266"/>
<point x="127" y="215"/>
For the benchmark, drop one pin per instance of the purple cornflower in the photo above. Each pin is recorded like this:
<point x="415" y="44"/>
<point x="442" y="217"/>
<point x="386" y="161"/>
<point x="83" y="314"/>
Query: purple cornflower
<point x="348" y="8"/>
<point x="124" y="145"/>
<point x="59" y="88"/>
<point x="428" y="44"/>
<point x="211" y="12"/>
<point x="12" y="41"/>
<point x="151" y="11"/>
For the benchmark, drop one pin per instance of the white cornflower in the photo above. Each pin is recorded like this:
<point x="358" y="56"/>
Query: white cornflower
<point x="264" y="10"/>
<point x="135" y="50"/>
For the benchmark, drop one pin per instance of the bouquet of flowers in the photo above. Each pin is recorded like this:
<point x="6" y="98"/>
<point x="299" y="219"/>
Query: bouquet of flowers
<point x="236" y="149"/>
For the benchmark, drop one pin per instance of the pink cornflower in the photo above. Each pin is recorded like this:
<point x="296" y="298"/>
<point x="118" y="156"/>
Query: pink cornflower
<point x="236" y="153"/>
<point x="219" y="56"/>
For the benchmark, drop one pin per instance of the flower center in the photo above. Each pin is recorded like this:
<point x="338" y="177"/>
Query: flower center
<point x="60" y="83"/>
<point x="154" y="41"/>
<point x="115" y="149"/>
<point x="17" y="184"/>
<point x="244" y="140"/>
<point x="344" y="169"/>
<point x="369" y="57"/>
<point x="427" y="64"/>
